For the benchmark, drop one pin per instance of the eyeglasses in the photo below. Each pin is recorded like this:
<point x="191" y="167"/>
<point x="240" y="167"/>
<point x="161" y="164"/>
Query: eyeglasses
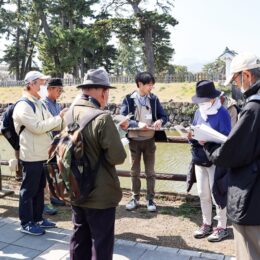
<point x="235" y="77"/>
<point x="59" y="89"/>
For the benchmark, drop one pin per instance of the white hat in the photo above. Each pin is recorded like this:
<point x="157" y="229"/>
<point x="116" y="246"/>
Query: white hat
<point x="33" y="75"/>
<point x="242" y="62"/>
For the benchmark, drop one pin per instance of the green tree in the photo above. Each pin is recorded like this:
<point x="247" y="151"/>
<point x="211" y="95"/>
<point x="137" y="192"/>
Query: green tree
<point x="129" y="59"/>
<point x="151" y="27"/>
<point x="75" y="39"/>
<point x="20" y="27"/>
<point x="214" y="69"/>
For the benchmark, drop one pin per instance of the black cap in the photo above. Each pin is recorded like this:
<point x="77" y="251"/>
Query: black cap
<point x="54" y="82"/>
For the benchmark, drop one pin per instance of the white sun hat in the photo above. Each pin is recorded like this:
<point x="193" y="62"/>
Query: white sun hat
<point x="33" y="75"/>
<point x="242" y="62"/>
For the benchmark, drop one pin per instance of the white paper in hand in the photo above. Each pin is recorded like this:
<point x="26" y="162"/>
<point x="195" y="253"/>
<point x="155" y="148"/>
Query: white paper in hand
<point x="205" y="133"/>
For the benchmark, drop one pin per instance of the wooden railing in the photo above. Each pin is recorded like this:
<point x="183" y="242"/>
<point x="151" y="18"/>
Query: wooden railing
<point x="124" y="173"/>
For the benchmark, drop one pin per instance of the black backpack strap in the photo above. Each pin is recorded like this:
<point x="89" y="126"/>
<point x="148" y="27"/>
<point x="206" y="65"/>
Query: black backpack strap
<point x="90" y="114"/>
<point x="31" y="104"/>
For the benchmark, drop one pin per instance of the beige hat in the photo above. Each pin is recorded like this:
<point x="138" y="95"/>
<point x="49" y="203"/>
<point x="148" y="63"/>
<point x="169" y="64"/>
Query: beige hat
<point x="242" y="62"/>
<point x="33" y="75"/>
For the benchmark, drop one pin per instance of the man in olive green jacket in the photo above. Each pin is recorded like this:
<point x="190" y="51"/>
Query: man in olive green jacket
<point x="95" y="218"/>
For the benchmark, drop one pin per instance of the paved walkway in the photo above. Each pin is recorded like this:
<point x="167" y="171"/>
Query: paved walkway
<point x="55" y="243"/>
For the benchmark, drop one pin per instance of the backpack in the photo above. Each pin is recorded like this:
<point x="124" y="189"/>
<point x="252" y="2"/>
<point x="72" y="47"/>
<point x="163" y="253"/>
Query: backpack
<point x="68" y="168"/>
<point x="7" y="127"/>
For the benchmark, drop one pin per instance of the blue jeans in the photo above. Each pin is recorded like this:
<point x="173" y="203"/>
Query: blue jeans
<point x="31" y="201"/>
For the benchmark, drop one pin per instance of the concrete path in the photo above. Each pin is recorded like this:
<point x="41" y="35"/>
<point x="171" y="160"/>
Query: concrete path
<point x="54" y="245"/>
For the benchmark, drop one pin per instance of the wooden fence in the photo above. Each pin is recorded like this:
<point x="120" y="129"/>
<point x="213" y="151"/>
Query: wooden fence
<point x="167" y="78"/>
<point x="124" y="173"/>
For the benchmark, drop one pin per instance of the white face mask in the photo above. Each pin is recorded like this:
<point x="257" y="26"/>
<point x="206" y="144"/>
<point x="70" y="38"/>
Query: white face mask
<point x="43" y="91"/>
<point x="242" y="89"/>
<point x="205" y="106"/>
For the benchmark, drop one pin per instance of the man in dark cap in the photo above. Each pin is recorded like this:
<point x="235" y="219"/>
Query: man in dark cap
<point x="54" y="90"/>
<point x="95" y="218"/>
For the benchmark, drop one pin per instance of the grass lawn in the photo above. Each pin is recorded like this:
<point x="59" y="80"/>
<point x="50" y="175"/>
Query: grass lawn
<point x="178" y="92"/>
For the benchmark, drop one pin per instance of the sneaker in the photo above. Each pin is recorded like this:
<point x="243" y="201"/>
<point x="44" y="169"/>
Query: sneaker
<point x="132" y="204"/>
<point x="45" y="223"/>
<point x="151" y="207"/>
<point x="203" y="231"/>
<point x="218" y="234"/>
<point x="49" y="210"/>
<point x="32" y="229"/>
<point x="57" y="202"/>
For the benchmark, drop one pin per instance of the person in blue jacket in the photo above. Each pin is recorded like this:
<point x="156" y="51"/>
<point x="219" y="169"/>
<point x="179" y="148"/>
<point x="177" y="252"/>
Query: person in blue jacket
<point x="211" y="181"/>
<point x="148" y="116"/>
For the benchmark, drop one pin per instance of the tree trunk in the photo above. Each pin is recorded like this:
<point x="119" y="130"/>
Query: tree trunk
<point x="17" y="45"/>
<point x="148" y="49"/>
<point x="76" y="71"/>
<point x="148" y="36"/>
<point x="82" y="71"/>
<point x="26" y="44"/>
<point x="46" y="28"/>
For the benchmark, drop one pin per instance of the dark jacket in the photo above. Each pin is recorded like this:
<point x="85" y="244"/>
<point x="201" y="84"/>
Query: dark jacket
<point x="129" y="106"/>
<point x="103" y="143"/>
<point x="241" y="153"/>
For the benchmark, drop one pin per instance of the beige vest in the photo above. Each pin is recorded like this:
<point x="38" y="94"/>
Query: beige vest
<point x="143" y="113"/>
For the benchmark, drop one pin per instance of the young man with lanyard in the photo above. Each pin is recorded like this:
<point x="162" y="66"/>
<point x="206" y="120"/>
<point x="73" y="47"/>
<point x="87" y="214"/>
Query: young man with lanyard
<point x="149" y="116"/>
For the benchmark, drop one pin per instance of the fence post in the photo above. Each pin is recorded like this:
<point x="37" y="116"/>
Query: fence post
<point x="4" y="193"/>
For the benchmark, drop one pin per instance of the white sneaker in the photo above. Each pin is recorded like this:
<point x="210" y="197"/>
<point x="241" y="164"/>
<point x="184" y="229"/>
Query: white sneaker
<point x="132" y="204"/>
<point x="151" y="206"/>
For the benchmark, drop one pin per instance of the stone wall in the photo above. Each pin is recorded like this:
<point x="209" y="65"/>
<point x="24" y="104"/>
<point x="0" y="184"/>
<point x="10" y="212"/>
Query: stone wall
<point x="178" y="112"/>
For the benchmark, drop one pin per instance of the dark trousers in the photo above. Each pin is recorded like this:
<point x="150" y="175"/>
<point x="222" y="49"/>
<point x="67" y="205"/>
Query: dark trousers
<point x="95" y="225"/>
<point x="31" y="201"/>
<point x="147" y="149"/>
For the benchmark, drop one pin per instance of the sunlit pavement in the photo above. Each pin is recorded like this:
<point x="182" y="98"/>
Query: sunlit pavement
<point x="55" y="245"/>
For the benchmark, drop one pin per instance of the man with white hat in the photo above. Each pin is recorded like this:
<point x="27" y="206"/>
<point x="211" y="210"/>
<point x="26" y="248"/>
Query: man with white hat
<point x="94" y="219"/>
<point x="34" y="123"/>
<point x="241" y="153"/>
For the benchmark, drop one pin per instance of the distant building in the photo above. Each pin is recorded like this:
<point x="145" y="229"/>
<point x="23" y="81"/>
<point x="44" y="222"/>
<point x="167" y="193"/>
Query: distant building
<point x="227" y="56"/>
<point x="5" y="74"/>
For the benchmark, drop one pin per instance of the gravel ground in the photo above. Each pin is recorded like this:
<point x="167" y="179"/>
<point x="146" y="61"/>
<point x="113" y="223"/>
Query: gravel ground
<point x="172" y="225"/>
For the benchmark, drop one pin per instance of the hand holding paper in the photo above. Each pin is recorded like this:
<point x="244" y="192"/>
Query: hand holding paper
<point x="207" y="134"/>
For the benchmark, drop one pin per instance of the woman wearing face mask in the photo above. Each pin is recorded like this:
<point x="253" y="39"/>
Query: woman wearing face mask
<point x="211" y="181"/>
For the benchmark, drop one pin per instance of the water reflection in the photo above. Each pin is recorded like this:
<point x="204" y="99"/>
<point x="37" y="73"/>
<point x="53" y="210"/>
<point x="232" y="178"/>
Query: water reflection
<point x="170" y="158"/>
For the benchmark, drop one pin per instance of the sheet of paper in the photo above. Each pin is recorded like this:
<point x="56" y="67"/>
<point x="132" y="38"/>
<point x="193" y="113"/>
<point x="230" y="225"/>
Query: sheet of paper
<point x="181" y="130"/>
<point x="205" y="133"/>
<point x="119" y="119"/>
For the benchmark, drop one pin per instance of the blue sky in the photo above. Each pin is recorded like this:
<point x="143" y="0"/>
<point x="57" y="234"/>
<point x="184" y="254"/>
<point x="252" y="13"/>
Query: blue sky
<point x="206" y="27"/>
